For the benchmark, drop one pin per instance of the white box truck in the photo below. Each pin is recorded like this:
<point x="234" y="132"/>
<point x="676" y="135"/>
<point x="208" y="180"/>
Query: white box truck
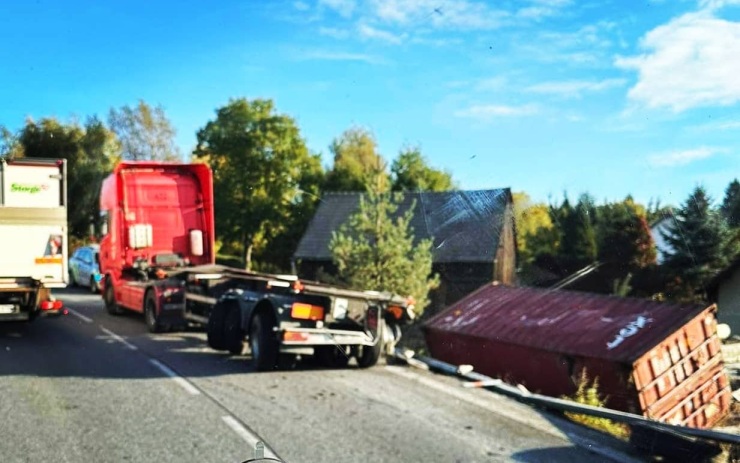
<point x="33" y="237"/>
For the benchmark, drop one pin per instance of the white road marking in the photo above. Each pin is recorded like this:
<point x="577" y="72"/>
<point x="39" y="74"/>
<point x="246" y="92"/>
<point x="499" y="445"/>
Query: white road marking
<point x="512" y="414"/>
<point x="80" y="316"/>
<point x="185" y="384"/>
<point x="113" y="335"/>
<point x="247" y="436"/>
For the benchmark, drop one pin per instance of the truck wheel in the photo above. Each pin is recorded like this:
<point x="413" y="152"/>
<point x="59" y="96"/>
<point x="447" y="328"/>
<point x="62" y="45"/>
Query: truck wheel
<point x="109" y="298"/>
<point x="332" y="357"/>
<point x="371" y="354"/>
<point x="263" y="343"/>
<point x="215" y="327"/>
<point x="233" y="332"/>
<point x="150" y="314"/>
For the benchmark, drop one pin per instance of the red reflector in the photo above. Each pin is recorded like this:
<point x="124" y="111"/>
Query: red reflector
<point x="396" y="311"/>
<point x="52" y="305"/>
<point x="306" y="311"/>
<point x="298" y="286"/>
<point x="295" y="336"/>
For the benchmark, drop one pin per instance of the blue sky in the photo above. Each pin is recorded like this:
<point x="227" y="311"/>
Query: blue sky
<point x="609" y="97"/>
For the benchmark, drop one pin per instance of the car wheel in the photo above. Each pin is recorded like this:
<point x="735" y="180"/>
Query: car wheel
<point x="109" y="298"/>
<point x="94" y="287"/>
<point x="263" y="343"/>
<point x="150" y="314"/>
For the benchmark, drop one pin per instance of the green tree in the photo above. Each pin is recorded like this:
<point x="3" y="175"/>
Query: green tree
<point x="265" y="180"/>
<point x="697" y="239"/>
<point x="577" y="235"/>
<point x="10" y="146"/>
<point x="145" y="133"/>
<point x="624" y="236"/>
<point x="536" y="234"/>
<point x="90" y="151"/>
<point x="356" y="156"/>
<point x="375" y="248"/>
<point x="730" y="208"/>
<point x="410" y="172"/>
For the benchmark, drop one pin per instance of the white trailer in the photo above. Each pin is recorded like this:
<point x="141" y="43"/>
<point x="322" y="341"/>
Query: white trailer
<point x="33" y="237"/>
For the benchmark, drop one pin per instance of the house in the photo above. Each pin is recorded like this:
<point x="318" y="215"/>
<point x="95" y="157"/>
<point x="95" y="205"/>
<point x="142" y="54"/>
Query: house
<point x="724" y="289"/>
<point x="472" y="232"/>
<point x="658" y="228"/>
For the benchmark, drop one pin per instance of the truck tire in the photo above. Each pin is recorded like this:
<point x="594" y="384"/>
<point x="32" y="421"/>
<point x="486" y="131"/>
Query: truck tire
<point x="150" y="314"/>
<point x="215" y="327"/>
<point x="371" y="354"/>
<point x="263" y="343"/>
<point x="109" y="297"/>
<point x="233" y="332"/>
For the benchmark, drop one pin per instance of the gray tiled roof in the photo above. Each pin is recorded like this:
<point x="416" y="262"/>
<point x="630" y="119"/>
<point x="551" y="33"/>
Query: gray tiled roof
<point x="465" y="225"/>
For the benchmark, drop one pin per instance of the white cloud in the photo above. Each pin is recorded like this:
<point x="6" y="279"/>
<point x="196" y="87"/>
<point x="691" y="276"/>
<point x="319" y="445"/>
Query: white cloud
<point x="574" y="88"/>
<point x="487" y="112"/>
<point x="301" y="6"/>
<point x="717" y="4"/>
<point x="456" y="14"/>
<point x="681" y="158"/>
<point x="340" y="56"/>
<point x="345" y="8"/>
<point x="540" y="9"/>
<point x="334" y="32"/>
<point x="369" y="32"/>
<point x="493" y="83"/>
<point x="690" y="62"/>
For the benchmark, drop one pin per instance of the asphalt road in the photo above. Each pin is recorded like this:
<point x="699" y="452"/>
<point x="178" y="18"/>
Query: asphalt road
<point x="94" y="387"/>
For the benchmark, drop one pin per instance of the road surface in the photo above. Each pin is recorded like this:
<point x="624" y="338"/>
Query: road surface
<point x="94" y="387"/>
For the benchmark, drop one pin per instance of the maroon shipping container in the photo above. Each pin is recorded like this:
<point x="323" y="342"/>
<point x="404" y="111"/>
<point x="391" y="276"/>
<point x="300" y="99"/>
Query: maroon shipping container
<point x="658" y="359"/>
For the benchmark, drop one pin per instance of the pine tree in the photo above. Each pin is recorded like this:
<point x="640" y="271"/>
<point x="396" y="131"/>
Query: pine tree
<point x="697" y="238"/>
<point x="578" y="238"/>
<point x="375" y="248"/>
<point x="731" y="205"/>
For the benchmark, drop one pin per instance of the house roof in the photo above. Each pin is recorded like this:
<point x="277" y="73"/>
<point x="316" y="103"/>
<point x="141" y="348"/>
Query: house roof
<point x="465" y="225"/>
<point x="724" y="274"/>
<point x="569" y="322"/>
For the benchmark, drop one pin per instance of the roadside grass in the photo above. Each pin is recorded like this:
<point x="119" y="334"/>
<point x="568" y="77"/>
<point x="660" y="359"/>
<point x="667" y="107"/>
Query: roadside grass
<point x="588" y="393"/>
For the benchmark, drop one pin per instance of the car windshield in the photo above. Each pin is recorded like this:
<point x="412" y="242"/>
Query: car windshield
<point x="344" y="230"/>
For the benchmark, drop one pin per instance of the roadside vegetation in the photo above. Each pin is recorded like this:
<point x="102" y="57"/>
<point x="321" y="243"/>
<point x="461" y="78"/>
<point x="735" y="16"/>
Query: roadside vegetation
<point x="588" y="393"/>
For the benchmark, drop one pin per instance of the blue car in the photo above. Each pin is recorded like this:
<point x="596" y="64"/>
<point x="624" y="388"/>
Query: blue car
<point x="83" y="268"/>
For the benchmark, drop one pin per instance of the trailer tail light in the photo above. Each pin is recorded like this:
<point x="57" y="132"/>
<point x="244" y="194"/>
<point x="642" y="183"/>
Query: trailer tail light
<point x="396" y="311"/>
<point x="371" y="319"/>
<point x="306" y="311"/>
<point x="297" y="286"/>
<point x="52" y="305"/>
<point x="295" y="336"/>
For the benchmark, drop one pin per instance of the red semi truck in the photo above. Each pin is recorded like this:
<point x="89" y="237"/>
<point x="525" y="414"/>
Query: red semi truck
<point x="157" y="257"/>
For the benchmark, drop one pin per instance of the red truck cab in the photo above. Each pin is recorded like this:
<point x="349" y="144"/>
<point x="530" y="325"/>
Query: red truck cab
<point x="157" y="217"/>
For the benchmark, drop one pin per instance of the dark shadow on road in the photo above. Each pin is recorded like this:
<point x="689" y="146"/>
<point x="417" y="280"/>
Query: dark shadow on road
<point x="547" y="455"/>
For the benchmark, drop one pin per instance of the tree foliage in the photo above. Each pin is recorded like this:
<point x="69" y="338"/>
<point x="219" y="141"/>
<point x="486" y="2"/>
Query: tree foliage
<point x="624" y="236"/>
<point x="145" y="133"/>
<point x="730" y="208"/>
<point x="90" y="150"/>
<point x="355" y="155"/>
<point x="411" y="172"/>
<point x="265" y="180"/>
<point x="375" y="248"/>
<point x="697" y="238"/>
<point x="577" y="239"/>
<point x="536" y="234"/>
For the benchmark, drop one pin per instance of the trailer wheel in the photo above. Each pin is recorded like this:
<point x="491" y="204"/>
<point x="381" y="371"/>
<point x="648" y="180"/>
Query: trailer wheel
<point x="263" y="342"/>
<point x="233" y="332"/>
<point x="109" y="297"/>
<point x="215" y="327"/>
<point x="371" y="354"/>
<point x="150" y="314"/>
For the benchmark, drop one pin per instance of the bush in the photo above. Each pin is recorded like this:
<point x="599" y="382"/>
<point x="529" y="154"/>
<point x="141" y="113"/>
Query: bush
<point x="588" y="394"/>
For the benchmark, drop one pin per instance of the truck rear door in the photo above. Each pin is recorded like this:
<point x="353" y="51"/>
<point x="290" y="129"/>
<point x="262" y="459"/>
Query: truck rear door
<point x="33" y="221"/>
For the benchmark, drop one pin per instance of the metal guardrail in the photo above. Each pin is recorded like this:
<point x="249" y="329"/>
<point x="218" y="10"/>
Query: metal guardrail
<point x="521" y="394"/>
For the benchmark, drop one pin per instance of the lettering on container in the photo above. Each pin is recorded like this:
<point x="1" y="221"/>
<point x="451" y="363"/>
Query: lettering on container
<point x="27" y="188"/>
<point x="630" y="330"/>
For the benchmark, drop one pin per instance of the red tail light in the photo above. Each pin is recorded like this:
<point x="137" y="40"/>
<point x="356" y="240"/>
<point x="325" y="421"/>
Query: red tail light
<point x="306" y="311"/>
<point x="295" y="336"/>
<point x="52" y="305"/>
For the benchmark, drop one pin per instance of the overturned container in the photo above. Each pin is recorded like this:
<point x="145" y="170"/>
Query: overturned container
<point x="658" y="359"/>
